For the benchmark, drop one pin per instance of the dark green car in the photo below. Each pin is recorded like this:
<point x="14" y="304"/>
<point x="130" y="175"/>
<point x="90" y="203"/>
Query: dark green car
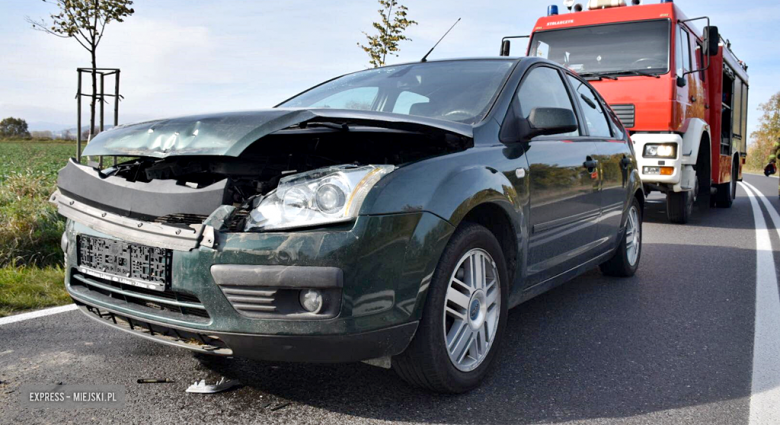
<point x="394" y="213"/>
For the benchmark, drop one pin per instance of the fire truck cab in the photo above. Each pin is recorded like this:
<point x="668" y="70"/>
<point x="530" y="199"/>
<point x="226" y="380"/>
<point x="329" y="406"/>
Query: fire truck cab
<point x="681" y="92"/>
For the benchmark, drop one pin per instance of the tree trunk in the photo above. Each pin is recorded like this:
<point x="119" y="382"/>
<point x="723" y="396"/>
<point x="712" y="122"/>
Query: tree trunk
<point x="93" y="52"/>
<point x="93" y="103"/>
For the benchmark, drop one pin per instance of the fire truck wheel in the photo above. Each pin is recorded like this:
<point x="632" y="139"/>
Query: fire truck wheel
<point x="626" y="259"/>
<point x="679" y="206"/>
<point x="703" y="179"/>
<point x="725" y="196"/>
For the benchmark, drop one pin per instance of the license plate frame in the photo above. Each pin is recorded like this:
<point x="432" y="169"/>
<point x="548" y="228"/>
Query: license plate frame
<point x="125" y="262"/>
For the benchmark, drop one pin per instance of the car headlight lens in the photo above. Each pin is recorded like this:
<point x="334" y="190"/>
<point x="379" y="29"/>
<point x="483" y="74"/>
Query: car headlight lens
<point x="660" y="151"/>
<point x="322" y="196"/>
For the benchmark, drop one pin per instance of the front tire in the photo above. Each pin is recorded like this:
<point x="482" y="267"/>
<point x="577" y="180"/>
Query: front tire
<point x="625" y="262"/>
<point x="679" y="206"/>
<point x="464" y="316"/>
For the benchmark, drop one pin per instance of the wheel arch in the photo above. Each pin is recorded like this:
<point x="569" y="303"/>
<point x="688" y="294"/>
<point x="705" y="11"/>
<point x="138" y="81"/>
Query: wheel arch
<point x="695" y="134"/>
<point x="496" y="219"/>
<point x="472" y="193"/>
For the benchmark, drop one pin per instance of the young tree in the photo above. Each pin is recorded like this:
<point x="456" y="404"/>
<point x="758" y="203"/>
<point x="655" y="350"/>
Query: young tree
<point x="85" y="21"/>
<point x="394" y="23"/>
<point x="13" y="128"/>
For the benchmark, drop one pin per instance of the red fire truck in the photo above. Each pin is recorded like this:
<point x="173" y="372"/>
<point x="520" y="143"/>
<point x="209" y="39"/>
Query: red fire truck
<point x="680" y="92"/>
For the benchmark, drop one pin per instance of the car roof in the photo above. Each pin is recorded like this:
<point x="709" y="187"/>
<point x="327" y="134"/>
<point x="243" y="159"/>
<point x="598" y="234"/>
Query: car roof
<point x="476" y="58"/>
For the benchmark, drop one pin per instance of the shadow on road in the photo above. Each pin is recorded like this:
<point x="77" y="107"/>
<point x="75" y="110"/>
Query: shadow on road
<point x="597" y="347"/>
<point x="703" y="215"/>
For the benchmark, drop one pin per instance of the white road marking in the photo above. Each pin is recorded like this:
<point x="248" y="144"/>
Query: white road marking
<point x="768" y="205"/>
<point x="765" y="390"/>
<point x="35" y="314"/>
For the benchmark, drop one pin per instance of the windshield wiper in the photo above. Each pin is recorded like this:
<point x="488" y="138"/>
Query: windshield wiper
<point x="635" y="72"/>
<point x="597" y="74"/>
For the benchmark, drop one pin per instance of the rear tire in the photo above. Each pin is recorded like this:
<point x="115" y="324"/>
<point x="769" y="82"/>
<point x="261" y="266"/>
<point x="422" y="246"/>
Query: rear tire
<point x="726" y="191"/>
<point x="434" y="359"/>
<point x="626" y="259"/>
<point x="679" y="206"/>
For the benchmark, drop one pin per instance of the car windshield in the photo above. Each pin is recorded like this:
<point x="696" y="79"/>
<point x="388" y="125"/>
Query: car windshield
<point x="605" y="49"/>
<point x="460" y="91"/>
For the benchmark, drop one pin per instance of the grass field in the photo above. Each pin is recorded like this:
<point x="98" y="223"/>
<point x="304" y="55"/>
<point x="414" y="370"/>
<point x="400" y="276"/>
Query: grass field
<point x="31" y="272"/>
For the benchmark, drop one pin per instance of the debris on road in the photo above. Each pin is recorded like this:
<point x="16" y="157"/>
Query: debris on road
<point x="155" y="381"/>
<point x="280" y="406"/>
<point x="223" y="384"/>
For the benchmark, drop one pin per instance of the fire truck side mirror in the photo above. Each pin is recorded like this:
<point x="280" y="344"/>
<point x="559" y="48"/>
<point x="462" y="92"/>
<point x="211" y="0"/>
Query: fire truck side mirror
<point x="681" y="82"/>
<point x="505" y="46"/>
<point x="711" y="40"/>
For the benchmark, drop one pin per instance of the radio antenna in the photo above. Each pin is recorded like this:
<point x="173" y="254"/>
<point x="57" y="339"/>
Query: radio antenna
<point x="425" y="58"/>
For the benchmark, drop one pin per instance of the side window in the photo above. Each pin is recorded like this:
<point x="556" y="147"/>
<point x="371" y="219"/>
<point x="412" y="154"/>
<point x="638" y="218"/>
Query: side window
<point x="361" y="98"/>
<point x="406" y="100"/>
<point x="686" y="49"/>
<point x="594" y="114"/>
<point x="678" y="52"/>
<point x="700" y="61"/>
<point x="744" y="110"/>
<point x="544" y="88"/>
<point x="617" y="127"/>
<point x="737" y="108"/>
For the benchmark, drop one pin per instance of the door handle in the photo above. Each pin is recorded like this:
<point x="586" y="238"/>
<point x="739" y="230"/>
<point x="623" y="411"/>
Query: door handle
<point x="590" y="164"/>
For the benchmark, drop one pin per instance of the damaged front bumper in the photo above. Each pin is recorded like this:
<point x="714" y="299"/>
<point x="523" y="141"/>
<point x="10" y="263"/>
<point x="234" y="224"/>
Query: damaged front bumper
<point x="236" y="293"/>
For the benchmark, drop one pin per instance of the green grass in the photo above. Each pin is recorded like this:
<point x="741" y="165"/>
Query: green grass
<point x="31" y="275"/>
<point x="30" y="288"/>
<point x="30" y="228"/>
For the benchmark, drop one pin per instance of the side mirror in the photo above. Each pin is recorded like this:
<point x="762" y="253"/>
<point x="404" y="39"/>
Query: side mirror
<point x="548" y="121"/>
<point x="681" y="82"/>
<point x="711" y="40"/>
<point x="505" y="46"/>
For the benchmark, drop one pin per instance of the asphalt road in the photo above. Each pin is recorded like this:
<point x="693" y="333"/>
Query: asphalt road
<point x="674" y="344"/>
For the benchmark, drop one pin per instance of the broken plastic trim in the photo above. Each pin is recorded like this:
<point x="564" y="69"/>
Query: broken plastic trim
<point x="128" y="229"/>
<point x="200" y="387"/>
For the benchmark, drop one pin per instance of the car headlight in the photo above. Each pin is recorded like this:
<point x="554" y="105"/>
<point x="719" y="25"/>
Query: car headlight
<point x="321" y="196"/>
<point x="660" y="151"/>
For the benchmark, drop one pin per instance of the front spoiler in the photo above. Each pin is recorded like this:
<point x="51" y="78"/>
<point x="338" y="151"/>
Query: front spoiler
<point x="343" y="348"/>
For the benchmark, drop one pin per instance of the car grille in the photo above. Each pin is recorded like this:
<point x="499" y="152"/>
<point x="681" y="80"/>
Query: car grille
<point x="202" y="342"/>
<point x="251" y="301"/>
<point x="185" y="219"/>
<point x="167" y="304"/>
<point x="626" y="114"/>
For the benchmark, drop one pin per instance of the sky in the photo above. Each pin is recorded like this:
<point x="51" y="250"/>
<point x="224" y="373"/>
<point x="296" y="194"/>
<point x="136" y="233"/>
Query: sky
<point x="181" y="57"/>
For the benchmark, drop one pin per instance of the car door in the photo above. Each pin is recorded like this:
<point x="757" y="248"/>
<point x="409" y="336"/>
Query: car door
<point x="613" y="154"/>
<point x="564" y="183"/>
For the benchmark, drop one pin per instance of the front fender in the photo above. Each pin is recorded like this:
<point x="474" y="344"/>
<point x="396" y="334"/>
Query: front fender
<point x="449" y="186"/>
<point x="692" y="140"/>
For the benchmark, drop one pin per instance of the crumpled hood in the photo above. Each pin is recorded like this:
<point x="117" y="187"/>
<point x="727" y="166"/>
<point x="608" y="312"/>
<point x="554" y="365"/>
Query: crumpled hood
<point x="228" y="134"/>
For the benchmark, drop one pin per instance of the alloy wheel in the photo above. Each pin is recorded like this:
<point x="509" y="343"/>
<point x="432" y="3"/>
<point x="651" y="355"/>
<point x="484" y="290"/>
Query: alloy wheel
<point x="632" y="236"/>
<point x="472" y="310"/>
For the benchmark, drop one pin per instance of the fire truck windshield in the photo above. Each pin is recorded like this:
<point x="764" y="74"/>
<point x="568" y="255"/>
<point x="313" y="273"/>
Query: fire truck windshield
<point x="608" y="49"/>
